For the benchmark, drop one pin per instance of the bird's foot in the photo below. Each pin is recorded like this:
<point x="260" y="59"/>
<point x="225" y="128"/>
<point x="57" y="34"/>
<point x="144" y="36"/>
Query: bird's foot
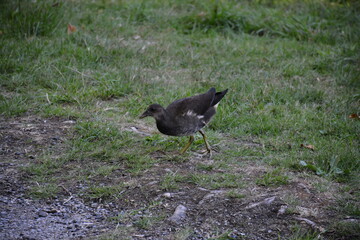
<point x="207" y="152"/>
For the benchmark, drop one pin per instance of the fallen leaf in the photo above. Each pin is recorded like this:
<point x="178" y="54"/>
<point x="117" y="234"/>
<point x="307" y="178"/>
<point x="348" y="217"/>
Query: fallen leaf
<point x="308" y="146"/>
<point x="355" y="116"/>
<point x="71" y="29"/>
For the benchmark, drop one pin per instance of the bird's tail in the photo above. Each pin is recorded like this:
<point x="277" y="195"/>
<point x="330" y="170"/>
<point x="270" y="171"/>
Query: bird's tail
<point x="218" y="97"/>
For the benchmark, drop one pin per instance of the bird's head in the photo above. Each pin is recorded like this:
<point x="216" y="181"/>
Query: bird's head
<point x="154" y="110"/>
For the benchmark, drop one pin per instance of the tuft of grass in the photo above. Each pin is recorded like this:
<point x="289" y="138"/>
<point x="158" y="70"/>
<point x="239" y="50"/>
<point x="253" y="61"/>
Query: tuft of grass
<point x="216" y="181"/>
<point x="45" y="167"/>
<point x="234" y="194"/>
<point x="273" y="178"/>
<point x="44" y="191"/>
<point x="205" y="167"/>
<point x="147" y="222"/>
<point x="183" y="234"/>
<point x="32" y="18"/>
<point x="138" y="163"/>
<point x="213" y="181"/>
<point x="348" y="205"/>
<point x="100" y="141"/>
<point x="292" y="203"/>
<point x="103" y="170"/>
<point x="14" y="106"/>
<point x="170" y="181"/>
<point x="303" y="234"/>
<point x="346" y="229"/>
<point x="104" y="192"/>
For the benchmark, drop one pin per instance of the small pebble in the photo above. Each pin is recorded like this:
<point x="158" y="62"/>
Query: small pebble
<point x="42" y="214"/>
<point x="179" y="214"/>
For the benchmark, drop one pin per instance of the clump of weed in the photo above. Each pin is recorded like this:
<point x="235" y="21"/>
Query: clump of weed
<point x="170" y="181"/>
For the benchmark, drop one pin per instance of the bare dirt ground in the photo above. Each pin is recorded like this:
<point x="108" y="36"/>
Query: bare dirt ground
<point x="22" y="140"/>
<point x="145" y="211"/>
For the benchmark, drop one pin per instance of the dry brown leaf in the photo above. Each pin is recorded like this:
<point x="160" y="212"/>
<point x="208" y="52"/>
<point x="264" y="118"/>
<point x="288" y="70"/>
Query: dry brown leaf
<point x="71" y="29"/>
<point x="308" y="146"/>
<point x="354" y="115"/>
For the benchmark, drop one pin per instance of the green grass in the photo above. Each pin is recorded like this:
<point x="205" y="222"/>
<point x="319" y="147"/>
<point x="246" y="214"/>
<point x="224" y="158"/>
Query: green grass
<point x="234" y="194"/>
<point x="216" y="181"/>
<point x="12" y="107"/>
<point x="273" y="178"/>
<point x="213" y="181"/>
<point x="292" y="69"/>
<point x="301" y="234"/>
<point x="170" y="181"/>
<point x="28" y="18"/>
<point x="347" y="228"/>
<point x="148" y="221"/>
<point x="103" y="192"/>
<point x="45" y="191"/>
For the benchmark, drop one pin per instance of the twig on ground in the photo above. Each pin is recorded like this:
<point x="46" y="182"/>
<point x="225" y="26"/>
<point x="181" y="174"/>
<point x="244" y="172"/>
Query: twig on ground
<point x="47" y="98"/>
<point x="68" y="192"/>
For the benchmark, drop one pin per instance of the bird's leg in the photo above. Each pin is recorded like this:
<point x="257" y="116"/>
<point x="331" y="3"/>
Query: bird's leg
<point x="206" y="143"/>
<point x="191" y="139"/>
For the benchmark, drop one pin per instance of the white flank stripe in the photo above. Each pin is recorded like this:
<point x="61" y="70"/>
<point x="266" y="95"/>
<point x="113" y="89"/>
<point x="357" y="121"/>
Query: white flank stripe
<point x="191" y="113"/>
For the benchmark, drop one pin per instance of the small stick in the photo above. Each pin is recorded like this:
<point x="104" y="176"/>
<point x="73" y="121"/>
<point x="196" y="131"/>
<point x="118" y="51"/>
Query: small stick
<point x="68" y="199"/>
<point x="68" y="192"/>
<point x="47" y="98"/>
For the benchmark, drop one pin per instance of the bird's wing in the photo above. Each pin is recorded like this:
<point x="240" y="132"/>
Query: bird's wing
<point x="198" y="104"/>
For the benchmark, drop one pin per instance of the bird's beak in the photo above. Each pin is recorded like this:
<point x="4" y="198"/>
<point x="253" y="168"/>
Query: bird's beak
<point x="145" y="114"/>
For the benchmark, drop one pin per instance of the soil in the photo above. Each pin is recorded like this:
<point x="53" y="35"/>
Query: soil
<point x="22" y="217"/>
<point x="144" y="211"/>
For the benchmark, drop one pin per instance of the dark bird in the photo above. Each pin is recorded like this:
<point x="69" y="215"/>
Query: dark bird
<point x="186" y="116"/>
